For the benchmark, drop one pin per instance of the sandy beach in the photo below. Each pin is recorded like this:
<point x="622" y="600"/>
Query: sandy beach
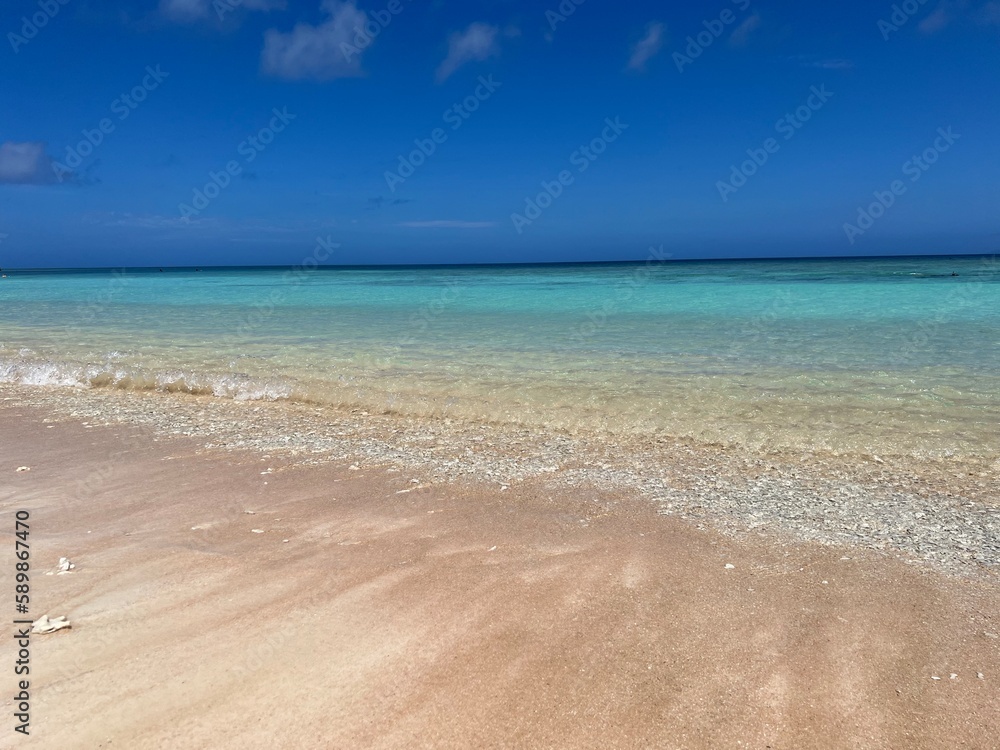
<point x="224" y="598"/>
<point x="379" y="375"/>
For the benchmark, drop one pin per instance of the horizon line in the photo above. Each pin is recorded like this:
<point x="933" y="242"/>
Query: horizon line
<point x="524" y="264"/>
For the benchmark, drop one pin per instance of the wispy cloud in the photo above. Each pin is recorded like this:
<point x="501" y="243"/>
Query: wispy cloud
<point x="477" y="43"/>
<point x="191" y="11"/>
<point x="936" y="21"/>
<point x="378" y="202"/>
<point x="151" y="221"/>
<point x="446" y="224"/>
<point x="951" y="11"/>
<point x="648" y="47"/>
<point x="185" y="11"/>
<point x="741" y="35"/>
<point x="172" y="225"/>
<point x="831" y="63"/>
<point x="320" y="53"/>
<point x="27" y="163"/>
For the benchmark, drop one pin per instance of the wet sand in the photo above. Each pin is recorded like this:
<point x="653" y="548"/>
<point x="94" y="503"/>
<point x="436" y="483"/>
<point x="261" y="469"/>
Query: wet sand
<point x="410" y="614"/>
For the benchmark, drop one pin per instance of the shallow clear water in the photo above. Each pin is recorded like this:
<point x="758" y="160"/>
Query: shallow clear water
<point x="884" y="356"/>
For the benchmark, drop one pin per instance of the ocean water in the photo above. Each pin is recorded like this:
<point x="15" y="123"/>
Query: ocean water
<point x="888" y="356"/>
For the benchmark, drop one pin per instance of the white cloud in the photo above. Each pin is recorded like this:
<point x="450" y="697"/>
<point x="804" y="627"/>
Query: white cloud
<point x="190" y="11"/>
<point x="647" y="47"/>
<point x="833" y="64"/>
<point x="185" y="11"/>
<point x="826" y="63"/>
<point x="26" y="164"/>
<point x="477" y="42"/>
<point x="949" y="11"/>
<point x="741" y="35"/>
<point x="319" y="52"/>
<point x="447" y="224"/>
<point x="151" y="221"/>
<point x="936" y="21"/>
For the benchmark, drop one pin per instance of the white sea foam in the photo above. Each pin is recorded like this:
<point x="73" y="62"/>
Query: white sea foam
<point x="37" y="372"/>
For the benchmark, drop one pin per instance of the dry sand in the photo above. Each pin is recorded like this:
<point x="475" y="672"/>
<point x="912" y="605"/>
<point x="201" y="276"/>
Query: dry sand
<point x="405" y="615"/>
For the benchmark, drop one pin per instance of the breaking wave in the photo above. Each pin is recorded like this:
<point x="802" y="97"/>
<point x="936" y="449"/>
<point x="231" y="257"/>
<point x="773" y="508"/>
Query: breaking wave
<point x="110" y="374"/>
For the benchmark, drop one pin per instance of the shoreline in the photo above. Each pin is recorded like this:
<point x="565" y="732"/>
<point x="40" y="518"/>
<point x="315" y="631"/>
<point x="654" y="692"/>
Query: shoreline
<point x="943" y="514"/>
<point x="409" y="612"/>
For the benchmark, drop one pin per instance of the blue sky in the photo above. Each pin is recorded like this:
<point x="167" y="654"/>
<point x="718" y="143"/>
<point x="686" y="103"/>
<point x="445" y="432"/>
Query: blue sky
<point x="229" y="132"/>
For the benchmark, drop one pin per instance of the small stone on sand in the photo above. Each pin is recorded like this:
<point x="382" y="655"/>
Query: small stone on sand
<point x="44" y="625"/>
<point x="256" y="531"/>
<point x="730" y="566"/>
<point x="23" y="468"/>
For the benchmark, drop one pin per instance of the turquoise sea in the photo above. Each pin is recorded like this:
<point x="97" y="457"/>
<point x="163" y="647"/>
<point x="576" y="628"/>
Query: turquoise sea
<point x="884" y="356"/>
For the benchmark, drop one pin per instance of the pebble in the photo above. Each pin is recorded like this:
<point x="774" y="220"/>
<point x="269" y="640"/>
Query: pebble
<point x="23" y="468"/>
<point x="45" y="625"/>
<point x="256" y="531"/>
<point x="730" y="566"/>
